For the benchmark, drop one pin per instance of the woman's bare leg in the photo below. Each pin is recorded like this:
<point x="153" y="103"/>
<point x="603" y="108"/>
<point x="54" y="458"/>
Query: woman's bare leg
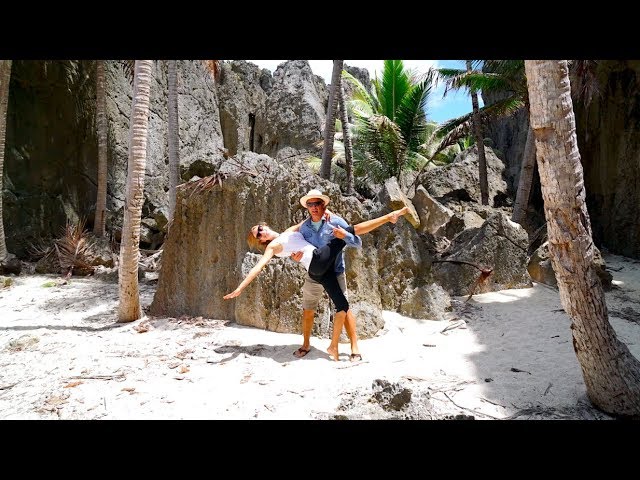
<point x="365" y="227"/>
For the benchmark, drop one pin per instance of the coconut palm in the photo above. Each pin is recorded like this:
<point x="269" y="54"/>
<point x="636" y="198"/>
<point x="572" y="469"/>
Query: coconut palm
<point x="5" y="77"/>
<point x="101" y="131"/>
<point x="129" y="306"/>
<point x="390" y="122"/>
<point x="507" y="77"/>
<point x="173" y="138"/>
<point x="611" y="373"/>
<point x="329" y="125"/>
<point x="346" y="138"/>
<point x="502" y="76"/>
<point x="477" y="132"/>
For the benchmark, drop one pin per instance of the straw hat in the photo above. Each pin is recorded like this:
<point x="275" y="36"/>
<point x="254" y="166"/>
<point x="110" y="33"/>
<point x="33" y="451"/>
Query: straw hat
<point x="314" y="194"/>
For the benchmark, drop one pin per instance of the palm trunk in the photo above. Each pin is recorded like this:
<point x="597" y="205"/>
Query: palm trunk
<point x="477" y="133"/>
<point x="526" y="179"/>
<point x="611" y="373"/>
<point x="346" y="139"/>
<point x="173" y="136"/>
<point x="129" y="306"/>
<point x="330" y="121"/>
<point x="5" y="78"/>
<point x="101" y="124"/>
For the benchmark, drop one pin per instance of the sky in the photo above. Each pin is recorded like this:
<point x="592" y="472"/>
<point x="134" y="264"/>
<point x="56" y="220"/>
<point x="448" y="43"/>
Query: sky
<point x="439" y="109"/>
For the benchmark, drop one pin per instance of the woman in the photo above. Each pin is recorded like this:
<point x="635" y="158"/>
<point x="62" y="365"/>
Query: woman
<point x="316" y="260"/>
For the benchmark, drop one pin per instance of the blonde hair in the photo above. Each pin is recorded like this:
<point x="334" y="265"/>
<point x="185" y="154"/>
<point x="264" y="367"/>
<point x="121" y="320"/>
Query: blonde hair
<point x="254" y="243"/>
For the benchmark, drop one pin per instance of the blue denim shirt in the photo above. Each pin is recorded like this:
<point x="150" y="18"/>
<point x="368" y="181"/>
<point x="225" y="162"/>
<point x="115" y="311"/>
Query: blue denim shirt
<point x="325" y="233"/>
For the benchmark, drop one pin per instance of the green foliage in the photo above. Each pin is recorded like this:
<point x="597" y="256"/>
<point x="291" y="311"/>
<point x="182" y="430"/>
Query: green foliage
<point x="390" y="123"/>
<point x="498" y="76"/>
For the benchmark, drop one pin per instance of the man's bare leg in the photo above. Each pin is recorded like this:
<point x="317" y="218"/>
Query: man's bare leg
<point x="307" y="325"/>
<point x="338" y="323"/>
<point x="365" y="227"/>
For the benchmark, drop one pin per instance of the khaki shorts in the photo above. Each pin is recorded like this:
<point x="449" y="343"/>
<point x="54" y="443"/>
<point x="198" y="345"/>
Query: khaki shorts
<point x="312" y="291"/>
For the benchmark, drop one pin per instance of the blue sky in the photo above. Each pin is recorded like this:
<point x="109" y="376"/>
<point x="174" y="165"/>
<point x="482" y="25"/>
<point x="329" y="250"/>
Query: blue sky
<point x="439" y="109"/>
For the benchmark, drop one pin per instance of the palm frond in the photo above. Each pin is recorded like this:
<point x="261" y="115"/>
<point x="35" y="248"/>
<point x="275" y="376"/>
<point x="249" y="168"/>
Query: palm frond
<point x="128" y="67"/>
<point x="395" y="84"/>
<point x="384" y="145"/>
<point x="411" y="116"/>
<point x="584" y="85"/>
<point x="361" y="95"/>
<point x="313" y="163"/>
<point x="73" y="248"/>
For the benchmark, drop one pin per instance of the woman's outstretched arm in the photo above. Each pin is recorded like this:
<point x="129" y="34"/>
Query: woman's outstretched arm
<point x="253" y="273"/>
<point x="366" y="227"/>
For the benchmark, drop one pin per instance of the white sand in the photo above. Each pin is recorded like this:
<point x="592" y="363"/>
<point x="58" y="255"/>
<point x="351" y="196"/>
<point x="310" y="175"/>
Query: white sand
<point x="62" y="355"/>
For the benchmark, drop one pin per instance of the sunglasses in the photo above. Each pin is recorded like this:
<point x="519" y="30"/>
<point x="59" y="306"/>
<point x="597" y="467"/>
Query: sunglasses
<point x="315" y="204"/>
<point x="259" y="232"/>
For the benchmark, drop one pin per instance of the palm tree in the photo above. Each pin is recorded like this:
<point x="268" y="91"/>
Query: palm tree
<point x="173" y="137"/>
<point x="499" y="75"/>
<point x="101" y="127"/>
<point x="390" y="122"/>
<point x="611" y="373"/>
<point x="477" y="131"/>
<point x="129" y="306"/>
<point x="346" y="139"/>
<point x="5" y="78"/>
<point x="329" y="125"/>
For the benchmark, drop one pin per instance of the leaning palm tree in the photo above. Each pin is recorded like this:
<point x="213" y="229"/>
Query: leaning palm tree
<point x="129" y="306"/>
<point x="5" y="77"/>
<point x="101" y="128"/>
<point x="611" y="373"/>
<point x="329" y="125"/>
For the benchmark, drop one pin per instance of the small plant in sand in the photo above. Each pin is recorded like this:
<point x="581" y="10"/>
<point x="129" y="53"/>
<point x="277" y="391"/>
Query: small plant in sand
<point x="70" y="252"/>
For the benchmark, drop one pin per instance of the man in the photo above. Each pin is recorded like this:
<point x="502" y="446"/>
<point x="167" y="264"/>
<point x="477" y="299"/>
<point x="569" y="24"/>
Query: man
<point x="317" y="231"/>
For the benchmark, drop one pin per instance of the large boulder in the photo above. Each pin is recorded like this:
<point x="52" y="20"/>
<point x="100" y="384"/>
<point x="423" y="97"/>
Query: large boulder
<point x="499" y="245"/>
<point x="541" y="270"/>
<point x="460" y="180"/>
<point x="294" y="112"/>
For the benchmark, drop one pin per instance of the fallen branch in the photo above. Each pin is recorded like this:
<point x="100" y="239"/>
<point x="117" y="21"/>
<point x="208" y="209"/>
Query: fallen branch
<point x="451" y="327"/>
<point x="517" y="370"/>
<point x="484" y="273"/>
<point x="97" y="377"/>
<point x="469" y="409"/>
<point x="492" y="403"/>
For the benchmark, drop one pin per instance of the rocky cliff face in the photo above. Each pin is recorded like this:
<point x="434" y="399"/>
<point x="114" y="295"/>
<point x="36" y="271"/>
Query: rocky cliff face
<point x="609" y="141"/>
<point x="608" y="131"/>
<point x="50" y="151"/>
<point x="51" y="146"/>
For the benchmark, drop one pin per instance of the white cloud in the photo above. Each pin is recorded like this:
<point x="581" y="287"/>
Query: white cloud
<point x="324" y="68"/>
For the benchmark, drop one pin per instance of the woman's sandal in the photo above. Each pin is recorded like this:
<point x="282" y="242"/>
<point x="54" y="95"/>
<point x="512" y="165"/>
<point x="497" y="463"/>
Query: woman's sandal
<point x="355" y="357"/>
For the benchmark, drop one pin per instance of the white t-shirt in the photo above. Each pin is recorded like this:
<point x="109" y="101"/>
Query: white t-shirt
<point x="294" y="242"/>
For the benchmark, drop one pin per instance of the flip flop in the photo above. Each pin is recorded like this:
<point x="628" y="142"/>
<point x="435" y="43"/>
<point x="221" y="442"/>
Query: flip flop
<point x="355" y="357"/>
<point x="301" y="352"/>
